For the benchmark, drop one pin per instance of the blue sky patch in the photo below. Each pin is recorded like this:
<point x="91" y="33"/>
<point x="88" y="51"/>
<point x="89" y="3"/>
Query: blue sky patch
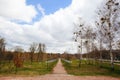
<point x="50" y="6"/>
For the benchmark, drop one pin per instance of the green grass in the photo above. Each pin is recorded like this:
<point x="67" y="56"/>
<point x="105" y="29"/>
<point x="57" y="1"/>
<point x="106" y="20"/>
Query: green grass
<point x="28" y="69"/>
<point x="91" y="69"/>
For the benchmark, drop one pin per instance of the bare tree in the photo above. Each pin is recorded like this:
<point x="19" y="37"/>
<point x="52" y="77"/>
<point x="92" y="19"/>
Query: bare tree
<point x="78" y="37"/>
<point x="18" y="61"/>
<point x="88" y="41"/>
<point x="41" y="51"/>
<point x="108" y="21"/>
<point x="100" y="38"/>
<point x="93" y="45"/>
<point x="45" y="56"/>
<point x="2" y="49"/>
<point x="32" y="49"/>
<point x="2" y="46"/>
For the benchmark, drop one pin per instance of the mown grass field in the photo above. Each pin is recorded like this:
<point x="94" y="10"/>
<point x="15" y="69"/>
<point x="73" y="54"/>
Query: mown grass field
<point x="95" y="69"/>
<point x="28" y="69"/>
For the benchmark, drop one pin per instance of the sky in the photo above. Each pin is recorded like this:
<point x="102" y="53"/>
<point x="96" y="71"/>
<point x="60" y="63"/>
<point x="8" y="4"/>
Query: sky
<point x="51" y="22"/>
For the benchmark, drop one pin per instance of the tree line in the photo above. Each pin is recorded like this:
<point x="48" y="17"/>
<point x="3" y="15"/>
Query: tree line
<point x="36" y="53"/>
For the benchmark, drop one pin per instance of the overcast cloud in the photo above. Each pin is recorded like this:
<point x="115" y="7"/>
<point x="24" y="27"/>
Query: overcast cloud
<point x="55" y="30"/>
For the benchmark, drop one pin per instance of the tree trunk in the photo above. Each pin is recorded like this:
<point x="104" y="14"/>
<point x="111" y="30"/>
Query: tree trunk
<point x="101" y="53"/>
<point x="111" y="57"/>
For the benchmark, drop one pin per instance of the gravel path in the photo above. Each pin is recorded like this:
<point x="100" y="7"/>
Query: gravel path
<point x="59" y="73"/>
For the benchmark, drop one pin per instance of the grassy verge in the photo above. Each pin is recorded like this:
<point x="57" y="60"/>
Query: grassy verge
<point x="28" y="69"/>
<point x="91" y="69"/>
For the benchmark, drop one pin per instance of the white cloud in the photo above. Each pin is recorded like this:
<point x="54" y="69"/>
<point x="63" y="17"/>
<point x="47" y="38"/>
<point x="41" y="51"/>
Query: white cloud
<point x="85" y="8"/>
<point x="41" y="9"/>
<point x="17" y="10"/>
<point x="55" y="30"/>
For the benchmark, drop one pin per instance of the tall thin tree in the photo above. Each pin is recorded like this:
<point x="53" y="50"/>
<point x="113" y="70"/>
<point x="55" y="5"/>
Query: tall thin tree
<point x="108" y="19"/>
<point x="32" y="49"/>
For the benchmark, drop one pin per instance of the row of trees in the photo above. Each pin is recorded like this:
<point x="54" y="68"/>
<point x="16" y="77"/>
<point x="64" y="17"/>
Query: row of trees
<point x="105" y="32"/>
<point x="40" y="49"/>
<point x="35" y="49"/>
<point x="37" y="52"/>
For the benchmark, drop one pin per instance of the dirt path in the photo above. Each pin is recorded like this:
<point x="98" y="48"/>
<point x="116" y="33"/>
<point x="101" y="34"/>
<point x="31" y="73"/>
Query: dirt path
<point x="59" y="69"/>
<point x="59" y="73"/>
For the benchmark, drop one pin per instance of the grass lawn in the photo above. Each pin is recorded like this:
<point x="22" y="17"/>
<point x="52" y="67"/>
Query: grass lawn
<point x="28" y="69"/>
<point x="91" y="69"/>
